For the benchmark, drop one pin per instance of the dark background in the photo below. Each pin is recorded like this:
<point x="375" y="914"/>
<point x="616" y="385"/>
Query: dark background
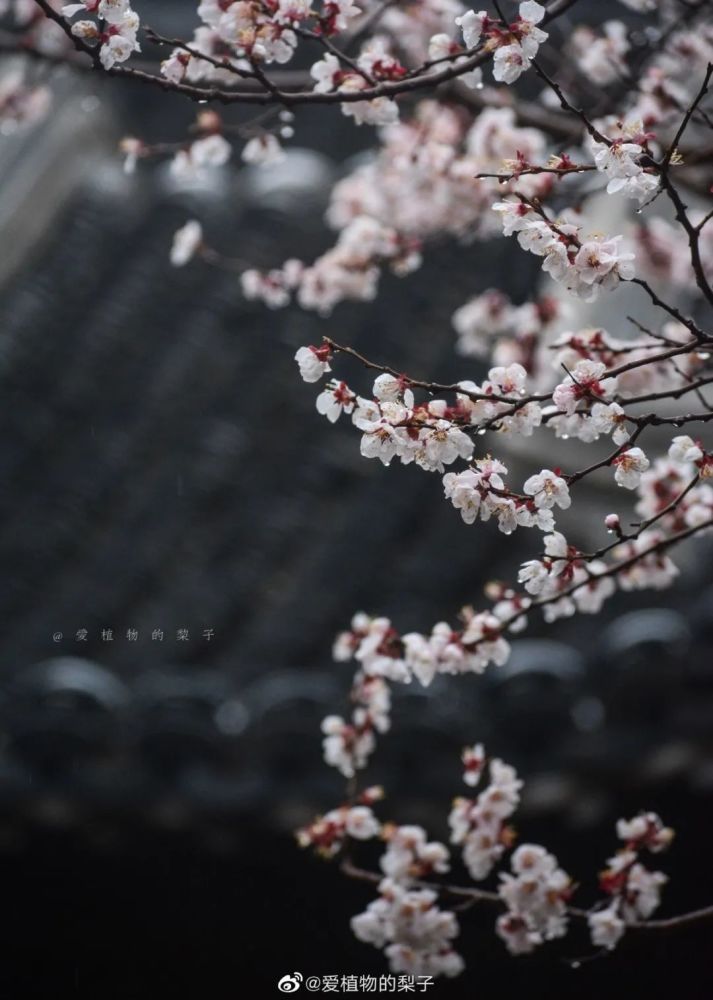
<point x="162" y="466"/>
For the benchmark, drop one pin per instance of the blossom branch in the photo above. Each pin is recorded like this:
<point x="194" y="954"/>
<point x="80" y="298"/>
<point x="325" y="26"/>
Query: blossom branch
<point x="387" y="88"/>
<point x="678" y="922"/>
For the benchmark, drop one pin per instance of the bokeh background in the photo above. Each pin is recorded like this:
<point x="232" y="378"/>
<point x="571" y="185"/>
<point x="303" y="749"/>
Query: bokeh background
<point x="162" y="467"/>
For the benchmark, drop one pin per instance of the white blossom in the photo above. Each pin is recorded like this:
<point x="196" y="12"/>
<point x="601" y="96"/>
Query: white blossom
<point x="606" y="927"/>
<point x="186" y="243"/>
<point x="471" y="24"/>
<point x="629" y="466"/>
<point x="684" y="450"/>
<point x="548" y="489"/>
<point x="312" y="362"/>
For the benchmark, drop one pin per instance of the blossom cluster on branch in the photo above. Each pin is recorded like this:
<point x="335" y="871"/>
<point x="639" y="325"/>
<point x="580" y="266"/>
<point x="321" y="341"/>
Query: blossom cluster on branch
<point x="534" y="897"/>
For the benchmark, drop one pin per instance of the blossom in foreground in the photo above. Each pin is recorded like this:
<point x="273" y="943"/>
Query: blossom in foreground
<point x="584" y="266"/>
<point x="622" y="163"/>
<point x="480" y="826"/>
<point x="410" y="855"/>
<point x="313" y="362"/>
<point x="336" y="399"/>
<point x="327" y="834"/>
<point x="548" y="489"/>
<point x="629" y="466"/>
<point x="415" y="934"/>
<point x="606" y="927"/>
<point x="634" y="892"/>
<point x="515" y="46"/>
<point x="536" y="895"/>
<point x="118" y="36"/>
<point x="586" y="381"/>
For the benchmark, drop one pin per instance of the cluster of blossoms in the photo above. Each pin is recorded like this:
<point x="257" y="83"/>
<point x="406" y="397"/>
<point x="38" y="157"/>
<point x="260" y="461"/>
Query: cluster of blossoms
<point x="117" y="34"/>
<point x="384" y="210"/>
<point x="392" y="424"/>
<point x="383" y="653"/>
<point x="437" y="170"/>
<point x="514" y="46"/>
<point x="582" y="401"/>
<point x="435" y="154"/>
<point x="350" y="270"/>
<point x="600" y="55"/>
<point x="423" y="180"/>
<point x="427" y="177"/>
<point x="242" y="34"/>
<point x="645" y="371"/>
<point x="416" y="935"/>
<point x="410" y="855"/>
<point x="646" y="567"/>
<point x="621" y="161"/>
<point x="564" y="582"/>
<point x="490" y="326"/>
<point x="375" y="63"/>
<point x="480" y="491"/>
<point x="348" y="745"/>
<point x="21" y="101"/>
<point x="327" y="834"/>
<point x="433" y="433"/>
<point x="667" y="491"/>
<point x="536" y="896"/>
<point x="670" y="81"/>
<point x="37" y="32"/>
<point x="634" y="891"/>
<point x="479" y="826"/>
<point x="584" y="266"/>
<point x="664" y="252"/>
